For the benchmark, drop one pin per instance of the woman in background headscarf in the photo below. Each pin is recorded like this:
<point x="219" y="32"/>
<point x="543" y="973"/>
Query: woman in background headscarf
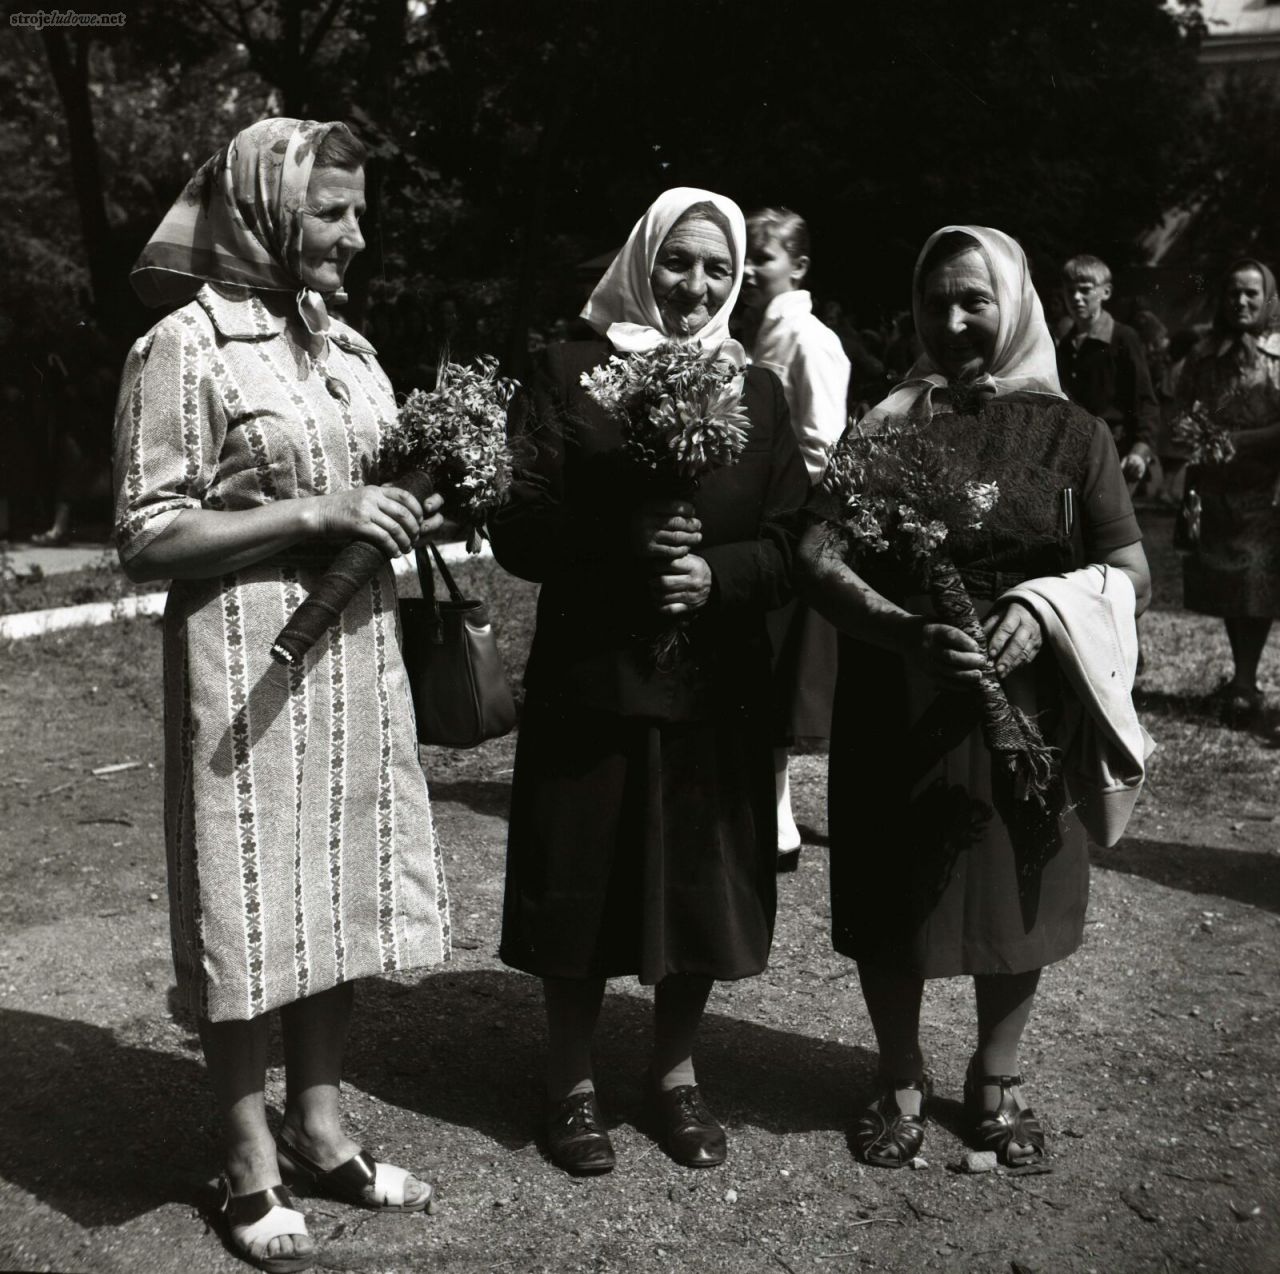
<point x="301" y="853"/>
<point x="936" y="868"/>
<point x="642" y="836"/>
<point x="806" y="355"/>
<point x="1234" y="571"/>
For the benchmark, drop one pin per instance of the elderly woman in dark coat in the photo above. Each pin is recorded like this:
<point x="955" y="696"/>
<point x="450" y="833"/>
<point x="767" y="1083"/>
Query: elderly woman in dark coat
<point x="643" y="835"/>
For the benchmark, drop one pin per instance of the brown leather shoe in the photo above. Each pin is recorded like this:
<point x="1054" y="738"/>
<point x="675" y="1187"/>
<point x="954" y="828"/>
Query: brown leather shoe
<point x="576" y="1137"/>
<point x="684" y="1127"/>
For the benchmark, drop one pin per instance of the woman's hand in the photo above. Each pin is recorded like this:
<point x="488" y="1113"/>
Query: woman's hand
<point x="432" y="518"/>
<point x="944" y="653"/>
<point x="1013" y="637"/>
<point x="665" y="529"/>
<point x="683" y="585"/>
<point x="386" y="517"/>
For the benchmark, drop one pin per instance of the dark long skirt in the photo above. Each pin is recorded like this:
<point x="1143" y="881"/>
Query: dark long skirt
<point x="805" y="648"/>
<point x="639" y="847"/>
<point x="935" y="869"/>
<point x="1235" y="570"/>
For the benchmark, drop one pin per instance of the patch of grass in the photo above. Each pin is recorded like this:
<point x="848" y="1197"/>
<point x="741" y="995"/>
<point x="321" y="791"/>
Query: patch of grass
<point x="104" y="581"/>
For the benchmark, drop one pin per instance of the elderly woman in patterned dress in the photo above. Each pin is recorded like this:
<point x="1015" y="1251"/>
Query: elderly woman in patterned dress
<point x="301" y="853"/>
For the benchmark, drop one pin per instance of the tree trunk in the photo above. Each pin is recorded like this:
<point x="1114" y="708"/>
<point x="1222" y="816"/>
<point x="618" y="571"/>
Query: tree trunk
<point x="68" y="56"/>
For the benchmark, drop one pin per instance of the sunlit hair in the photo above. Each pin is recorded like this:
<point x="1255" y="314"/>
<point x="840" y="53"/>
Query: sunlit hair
<point x="342" y="149"/>
<point x="955" y="243"/>
<point x="789" y="228"/>
<point x="1086" y="269"/>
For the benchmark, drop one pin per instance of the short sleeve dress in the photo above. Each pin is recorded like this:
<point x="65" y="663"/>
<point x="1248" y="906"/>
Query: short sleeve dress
<point x="936" y="870"/>
<point x="1235" y="569"/>
<point x="301" y="852"/>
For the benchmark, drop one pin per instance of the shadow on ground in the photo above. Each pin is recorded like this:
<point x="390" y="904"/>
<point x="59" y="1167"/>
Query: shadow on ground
<point x="471" y="1053"/>
<point x="104" y="1132"/>
<point x="99" y="1130"/>
<point x="482" y="796"/>
<point x="1248" y="876"/>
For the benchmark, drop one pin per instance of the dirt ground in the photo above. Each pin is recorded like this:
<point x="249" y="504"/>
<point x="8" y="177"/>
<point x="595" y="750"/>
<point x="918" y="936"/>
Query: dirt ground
<point x="1152" y="1055"/>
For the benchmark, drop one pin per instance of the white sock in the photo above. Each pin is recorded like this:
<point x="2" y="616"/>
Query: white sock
<point x="788" y="832"/>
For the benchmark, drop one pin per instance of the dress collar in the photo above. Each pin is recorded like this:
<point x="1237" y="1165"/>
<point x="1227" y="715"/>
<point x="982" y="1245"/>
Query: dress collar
<point x="238" y="314"/>
<point x="1101" y="329"/>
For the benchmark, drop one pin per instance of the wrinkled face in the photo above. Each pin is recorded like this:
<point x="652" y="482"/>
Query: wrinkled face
<point x="770" y="270"/>
<point x="1084" y="299"/>
<point x="1245" y="293"/>
<point x="960" y="315"/>
<point x="692" y="276"/>
<point x="331" y="227"/>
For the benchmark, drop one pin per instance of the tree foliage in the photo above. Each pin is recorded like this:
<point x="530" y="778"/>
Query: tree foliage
<point x="513" y="139"/>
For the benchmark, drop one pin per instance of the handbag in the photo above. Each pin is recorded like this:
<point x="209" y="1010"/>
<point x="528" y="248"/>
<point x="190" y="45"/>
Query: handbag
<point x="460" y="691"/>
<point x="1186" y="528"/>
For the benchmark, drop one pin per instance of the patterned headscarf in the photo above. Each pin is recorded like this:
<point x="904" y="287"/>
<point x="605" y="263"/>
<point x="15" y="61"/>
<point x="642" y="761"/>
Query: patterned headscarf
<point x="239" y="221"/>
<point x="623" y="307"/>
<point x="1228" y="335"/>
<point x="1024" y="359"/>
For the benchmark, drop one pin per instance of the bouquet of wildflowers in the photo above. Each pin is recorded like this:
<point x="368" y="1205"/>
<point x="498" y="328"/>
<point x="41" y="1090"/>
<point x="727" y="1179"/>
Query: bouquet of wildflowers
<point x="457" y="435"/>
<point x="681" y="412"/>
<point x="682" y="418"/>
<point x="903" y="492"/>
<point x="1203" y="440"/>
<point x="451" y="439"/>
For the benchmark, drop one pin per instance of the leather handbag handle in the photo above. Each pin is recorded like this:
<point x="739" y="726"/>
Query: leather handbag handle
<point x="425" y="573"/>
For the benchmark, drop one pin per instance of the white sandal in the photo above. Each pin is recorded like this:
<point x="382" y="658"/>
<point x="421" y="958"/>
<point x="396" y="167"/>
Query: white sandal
<point x="362" y="1180"/>
<point x="255" y="1219"/>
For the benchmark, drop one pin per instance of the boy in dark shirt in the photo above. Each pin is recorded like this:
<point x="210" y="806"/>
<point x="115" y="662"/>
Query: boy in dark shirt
<point x="1103" y="366"/>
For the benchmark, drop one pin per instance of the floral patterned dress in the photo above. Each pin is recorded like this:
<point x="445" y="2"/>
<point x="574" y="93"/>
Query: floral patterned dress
<point x="1235" y="570"/>
<point x="301" y="851"/>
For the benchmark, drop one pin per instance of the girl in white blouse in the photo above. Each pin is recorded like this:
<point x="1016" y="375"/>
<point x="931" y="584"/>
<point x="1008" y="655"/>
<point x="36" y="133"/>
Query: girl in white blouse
<point x="785" y="336"/>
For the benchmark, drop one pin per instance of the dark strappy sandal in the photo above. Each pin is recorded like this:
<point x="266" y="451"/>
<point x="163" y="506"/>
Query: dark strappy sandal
<point x="362" y="1181"/>
<point x="883" y="1135"/>
<point x="1005" y="1127"/>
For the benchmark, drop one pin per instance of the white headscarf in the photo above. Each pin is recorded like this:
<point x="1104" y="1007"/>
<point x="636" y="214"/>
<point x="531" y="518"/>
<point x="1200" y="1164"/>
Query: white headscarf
<point x="1024" y="359"/>
<point x="623" y="307"/>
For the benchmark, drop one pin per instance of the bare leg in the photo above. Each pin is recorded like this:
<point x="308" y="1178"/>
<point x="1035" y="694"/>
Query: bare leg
<point x="315" y="1038"/>
<point x="893" y="1004"/>
<point x="679" y="1001"/>
<point x="1004" y="1002"/>
<point x="788" y="832"/>
<point x="1248" y="637"/>
<point x="573" y="1008"/>
<point x="236" y="1055"/>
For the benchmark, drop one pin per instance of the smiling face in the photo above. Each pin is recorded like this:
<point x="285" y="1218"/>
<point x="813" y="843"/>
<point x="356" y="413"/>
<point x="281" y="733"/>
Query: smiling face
<point x="960" y="315"/>
<point x="331" y="227"/>
<point x="1245" y="295"/>
<point x="692" y="276"/>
